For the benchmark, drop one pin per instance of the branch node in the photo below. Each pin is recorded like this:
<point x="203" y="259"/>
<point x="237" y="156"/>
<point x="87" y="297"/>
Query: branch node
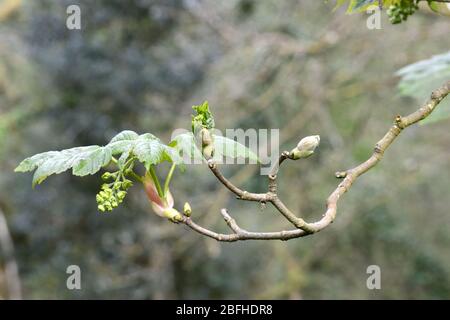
<point x="340" y="174"/>
<point x="211" y="164"/>
<point x="399" y="122"/>
<point x="231" y="222"/>
<point x="244" y="195"/>
<point x="225" y="215"/>
<point x="436" y="94"/>
<point x="378" y="149"/>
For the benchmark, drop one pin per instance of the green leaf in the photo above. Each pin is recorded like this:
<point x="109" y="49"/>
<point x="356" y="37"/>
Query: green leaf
<point x="439" y="7"/>
<point x="83" y="160"/>
<point x="171" y="155"/>
<point x="93" y="162"/>
<point x="358" y="4"/>
<point x="433" y="6"/>
<point x="150" y="151"/>
<point x="29" y="164"/>
<point x="146" y="147"/>
<point x="421" y="78"/>
<point x="90" y="159"/>
<point x="185" y="145"/>
<point x="223" y="147"/>
<point x="125" y="135"/>
<point x="233" y="149"/>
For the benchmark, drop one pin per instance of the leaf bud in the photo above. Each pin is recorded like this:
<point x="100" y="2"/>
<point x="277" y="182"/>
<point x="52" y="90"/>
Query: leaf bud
<point x="305" y="147"/>
<point x="172" y="214"/>
<point x="187" y="209"/>
<point x="206" y="137"/>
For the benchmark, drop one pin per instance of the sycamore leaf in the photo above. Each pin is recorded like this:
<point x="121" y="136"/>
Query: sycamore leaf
<point x="146" y="147"/>
<point x="230" y="148"/>
<point x="223" y="147"/>
<point x="90" y="159"/>
<point x="151" y="151"/>
<point x="187" y="148"/>
<point x="93" y="162"/>
<point x="83" y="160"/>
<point x="125" y="135"/>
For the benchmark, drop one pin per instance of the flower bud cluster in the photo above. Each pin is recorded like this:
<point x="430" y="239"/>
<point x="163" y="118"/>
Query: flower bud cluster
<point x="112" y="194"/>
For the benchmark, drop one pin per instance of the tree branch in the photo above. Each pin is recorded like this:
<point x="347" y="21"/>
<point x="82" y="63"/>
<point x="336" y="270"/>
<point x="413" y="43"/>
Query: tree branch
<point x="349" y="177"/>
<point x="241" y="194"/>
<point x="239" y="233"/>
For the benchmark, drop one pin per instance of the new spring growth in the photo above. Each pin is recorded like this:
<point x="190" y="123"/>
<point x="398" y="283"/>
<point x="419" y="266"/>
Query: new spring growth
<point x="207" y="143"/>
<point x="202" y="123"/>
<point x="162" y="205"/>
<point x="113" y="193"/>
<point x="187" y="209"/>
<point x="305" y="147"/>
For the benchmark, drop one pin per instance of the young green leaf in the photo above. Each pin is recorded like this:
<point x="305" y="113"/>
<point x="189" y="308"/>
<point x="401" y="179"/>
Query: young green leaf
<point x="203" y="117"/>
<point x="93" y="162"/>
<point x="224" y="147"/>
<point x="150" y="151"/>
<point x="83" y="160"/>
<point x="230" y="148"/>
<point x="126" y="135"/>
<point x="88" y="160"/>
<point x="185" y="145"/>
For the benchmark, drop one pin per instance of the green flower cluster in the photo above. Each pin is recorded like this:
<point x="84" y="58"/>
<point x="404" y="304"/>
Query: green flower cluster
<point x="401" y="11"/>
<point x="113" y="193"/>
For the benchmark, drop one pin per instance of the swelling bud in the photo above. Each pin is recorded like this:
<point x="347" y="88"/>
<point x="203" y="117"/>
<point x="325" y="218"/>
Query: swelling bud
<point x="172" y="214"/>
<point x="207" y="142"/>
<point x="187" y="209"/>
<point x="305" y="147"/>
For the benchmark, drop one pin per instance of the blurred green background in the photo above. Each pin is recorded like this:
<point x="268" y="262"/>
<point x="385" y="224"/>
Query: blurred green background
<point x="294" y="65"/>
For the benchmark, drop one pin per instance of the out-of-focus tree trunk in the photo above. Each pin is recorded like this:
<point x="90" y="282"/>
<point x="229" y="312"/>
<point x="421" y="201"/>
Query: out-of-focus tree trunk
<point x="11" y="269"/>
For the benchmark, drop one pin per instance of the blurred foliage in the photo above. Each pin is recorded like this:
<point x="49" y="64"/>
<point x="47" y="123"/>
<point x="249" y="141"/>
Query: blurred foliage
<point x="293" y="65"/>
<point x="421" y="78"/>
<point x="397" y="10"/>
